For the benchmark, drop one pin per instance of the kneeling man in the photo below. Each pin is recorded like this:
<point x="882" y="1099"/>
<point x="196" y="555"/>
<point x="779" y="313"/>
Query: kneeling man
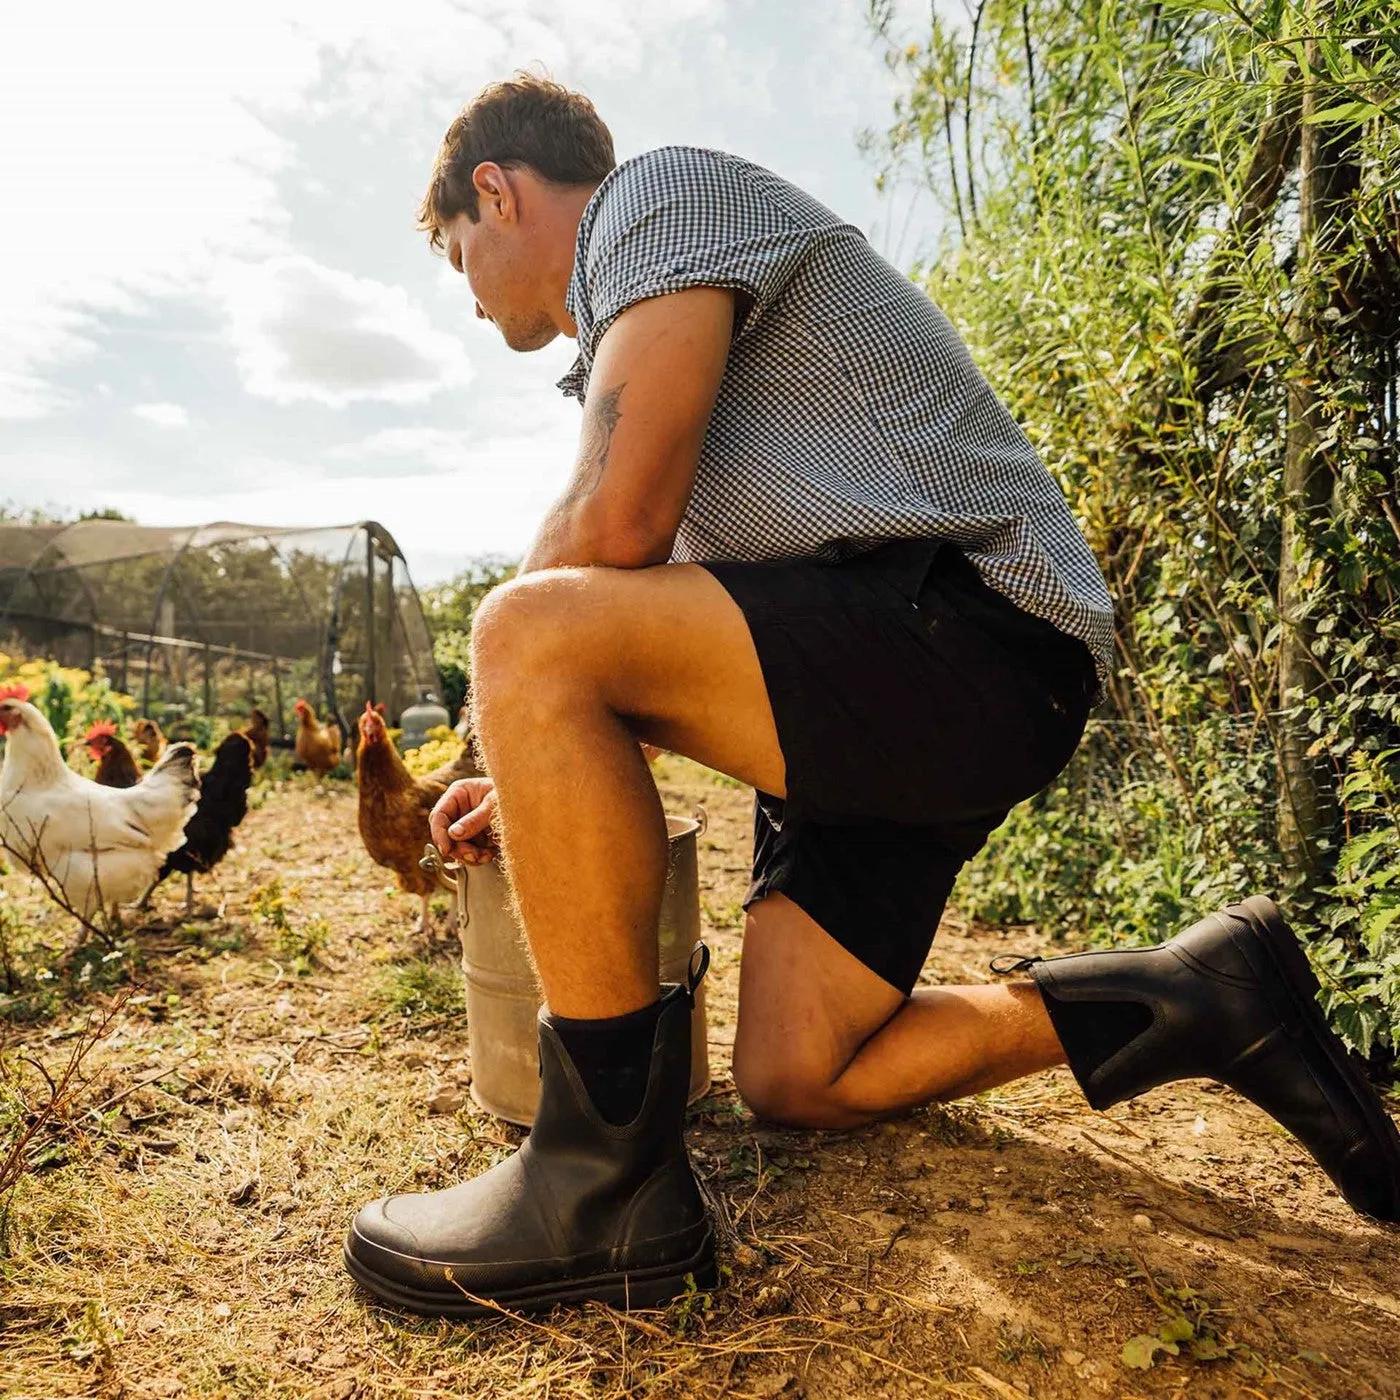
<point x="805" y="544"/>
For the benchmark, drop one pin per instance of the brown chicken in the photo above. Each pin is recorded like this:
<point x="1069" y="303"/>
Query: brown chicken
<point x="149" y="740"/>
<point x="259" y="734"/>
<point x="115" y="765"/>
<point x="318" y="745"/>
<point x="394" y="806"/>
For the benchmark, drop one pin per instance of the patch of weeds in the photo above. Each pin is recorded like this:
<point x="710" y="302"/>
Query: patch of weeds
<point x="692" y="1307"/>
<point x="232" y="938"/>
<point x="298" y="943"/>
<point x="747" y="1160"/>
<point x="1187" y="1330"/>
<point x="420" y="988"/>
<point x="90" y="967"/>
<point x="90" y="1339"/>
<point x="302" y="944"/>
<point x="953" y="1125"/>
<point x="727" y="915"/>
<point x="1016" y="1342"/>
<point x="1027" y="1268"/>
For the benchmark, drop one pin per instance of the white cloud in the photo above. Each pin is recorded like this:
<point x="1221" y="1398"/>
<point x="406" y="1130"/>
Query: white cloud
<point x="301" y="331"/>
<point x="163" y="415"/>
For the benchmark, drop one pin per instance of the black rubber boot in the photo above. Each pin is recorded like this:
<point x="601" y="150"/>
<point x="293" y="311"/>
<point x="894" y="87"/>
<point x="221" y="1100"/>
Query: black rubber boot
<point x="584" y="1211"/>
<point x="1232" y="999"/>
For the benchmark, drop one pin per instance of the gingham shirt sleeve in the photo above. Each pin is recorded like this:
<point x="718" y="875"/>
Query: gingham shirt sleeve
<point x="661" y="229"/>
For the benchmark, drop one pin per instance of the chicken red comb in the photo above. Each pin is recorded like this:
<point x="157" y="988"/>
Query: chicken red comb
<point x="103" y="729"/>
<point x="16" y="691"/>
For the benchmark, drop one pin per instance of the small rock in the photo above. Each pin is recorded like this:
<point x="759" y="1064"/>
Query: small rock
<point x="448" y="1099"/>
<point x="1072" y="1358"/>
<point x="771" y="1298"/>
<point x="872" y="1305"/>
<point x="977" y="1203"/>
<point x="334" y="1359"/>
<point x="162" y="1385"/>
<point x="237" y="1118"/>
<point x="282" y="1203"/>
<point x="222" y="1310"/>
<point x="851" y="1305"/>
<point x="243" y="1192"/>
<point x="1143" y="1223"/>
<point x="769" y="1386"/>
<point x="886" y="1226"/>
<point x="150" y="1322"/>
<point x="746" y="1257"/>
<point x="303" y="1356"/>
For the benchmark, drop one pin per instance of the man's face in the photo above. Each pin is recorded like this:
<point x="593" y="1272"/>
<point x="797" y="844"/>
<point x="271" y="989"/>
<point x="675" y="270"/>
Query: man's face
<point x="494" y="256"/>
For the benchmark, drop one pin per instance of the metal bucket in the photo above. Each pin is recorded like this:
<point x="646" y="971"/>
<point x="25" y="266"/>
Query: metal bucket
<point x="503" y="998"/>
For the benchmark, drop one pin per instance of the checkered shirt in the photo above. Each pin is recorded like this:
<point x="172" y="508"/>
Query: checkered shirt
<point x="850" y="412"/>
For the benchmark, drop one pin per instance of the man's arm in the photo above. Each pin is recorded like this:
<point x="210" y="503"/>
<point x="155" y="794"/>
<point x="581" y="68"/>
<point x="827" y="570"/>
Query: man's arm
<point x="655" y="379"/>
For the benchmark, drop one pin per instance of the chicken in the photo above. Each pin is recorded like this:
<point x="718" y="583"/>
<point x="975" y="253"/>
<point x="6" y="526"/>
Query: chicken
<point x="100" y="846"/>
<point x="394" y="806"/>
<point x="259" y="734"/>
<point x="115" y="765"/>
<point x="149" y="739"/>
<point x="317" y="746"/>
<point x="223" y="803"/>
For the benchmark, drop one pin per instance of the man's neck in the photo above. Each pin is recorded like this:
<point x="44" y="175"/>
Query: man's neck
<point x="559" y="218"/>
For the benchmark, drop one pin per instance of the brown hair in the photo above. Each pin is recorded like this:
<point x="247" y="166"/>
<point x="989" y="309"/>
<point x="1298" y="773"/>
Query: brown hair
<point x="525" y="121"/>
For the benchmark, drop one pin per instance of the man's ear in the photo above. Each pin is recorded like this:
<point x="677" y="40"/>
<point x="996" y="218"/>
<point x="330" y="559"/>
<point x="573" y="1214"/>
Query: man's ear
<point x="494" y="191"/>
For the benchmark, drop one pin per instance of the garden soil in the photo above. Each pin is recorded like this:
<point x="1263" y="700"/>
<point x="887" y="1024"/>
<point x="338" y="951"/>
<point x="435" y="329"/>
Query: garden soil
<point x="298" y="1051"/>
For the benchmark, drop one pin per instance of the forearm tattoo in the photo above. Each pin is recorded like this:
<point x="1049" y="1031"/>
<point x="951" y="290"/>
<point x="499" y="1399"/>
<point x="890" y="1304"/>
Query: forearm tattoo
<point x="600" y="419"/>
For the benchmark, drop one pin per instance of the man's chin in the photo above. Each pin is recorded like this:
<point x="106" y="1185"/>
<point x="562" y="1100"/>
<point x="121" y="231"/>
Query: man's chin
<point x="531" y="338"/>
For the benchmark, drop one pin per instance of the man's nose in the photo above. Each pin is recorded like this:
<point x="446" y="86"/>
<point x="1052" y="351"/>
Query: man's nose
<point x="480" y="314"/>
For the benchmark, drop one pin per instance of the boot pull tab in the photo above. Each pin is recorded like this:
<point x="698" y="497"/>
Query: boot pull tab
<point x="696" y="969"/>
<point x="1004" y="964"/>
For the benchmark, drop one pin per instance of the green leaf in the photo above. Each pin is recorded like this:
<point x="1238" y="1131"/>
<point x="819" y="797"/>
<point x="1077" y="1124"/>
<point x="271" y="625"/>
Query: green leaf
<point x="1140" y="1352"/>
<point x="1344" y="112"/>
<point x="1362" y="845"/>
<point x="1177" y="1329"/>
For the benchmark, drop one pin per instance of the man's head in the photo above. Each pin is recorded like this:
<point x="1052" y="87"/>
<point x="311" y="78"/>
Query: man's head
<point x="509" y="183"/>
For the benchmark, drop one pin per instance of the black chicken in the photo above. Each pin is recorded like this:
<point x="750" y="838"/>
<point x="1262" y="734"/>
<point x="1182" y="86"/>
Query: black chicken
<point x="223" y="803"/>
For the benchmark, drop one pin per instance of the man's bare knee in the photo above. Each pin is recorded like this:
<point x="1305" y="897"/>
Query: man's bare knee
<point x="782" y="1093"/>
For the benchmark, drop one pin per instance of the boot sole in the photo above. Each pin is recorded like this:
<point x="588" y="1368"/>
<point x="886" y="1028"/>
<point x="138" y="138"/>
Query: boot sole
<point x="633" y="1288"/>
<point x="1303" y="1019"/>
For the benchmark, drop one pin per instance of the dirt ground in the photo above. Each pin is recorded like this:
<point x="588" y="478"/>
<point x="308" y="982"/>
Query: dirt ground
<point x="303" y="1051"/>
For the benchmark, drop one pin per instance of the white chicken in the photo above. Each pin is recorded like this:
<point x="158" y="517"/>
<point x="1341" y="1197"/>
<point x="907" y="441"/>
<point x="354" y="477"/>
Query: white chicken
<point x="102" y="846"/>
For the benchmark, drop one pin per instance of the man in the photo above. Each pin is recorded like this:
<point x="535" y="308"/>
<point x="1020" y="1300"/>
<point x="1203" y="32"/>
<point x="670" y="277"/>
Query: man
<point x="804" y="544"/>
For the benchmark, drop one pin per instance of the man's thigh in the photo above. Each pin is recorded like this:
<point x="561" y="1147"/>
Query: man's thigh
<point x="666" y="647"/>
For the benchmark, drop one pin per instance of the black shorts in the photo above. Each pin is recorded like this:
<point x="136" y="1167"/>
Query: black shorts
<point x="915" y="706"/>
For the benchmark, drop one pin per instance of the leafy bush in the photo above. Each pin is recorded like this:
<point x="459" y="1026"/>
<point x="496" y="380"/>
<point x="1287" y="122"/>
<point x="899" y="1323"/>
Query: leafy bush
<point x="1172" y="248"/>
<point x="71" y="699"/>
<point x="449" y="608"/>
<point x="441" y="746"/>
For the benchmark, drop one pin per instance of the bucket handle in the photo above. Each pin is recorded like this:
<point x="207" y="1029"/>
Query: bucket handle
<point x="701" y="818"/>
<point x="433" y="863"/>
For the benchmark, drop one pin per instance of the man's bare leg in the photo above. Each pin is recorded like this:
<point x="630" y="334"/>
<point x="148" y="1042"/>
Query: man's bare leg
<point x="570" y="668"/>
<point x="823" y="1042"/>
<point x="592" y="658"/>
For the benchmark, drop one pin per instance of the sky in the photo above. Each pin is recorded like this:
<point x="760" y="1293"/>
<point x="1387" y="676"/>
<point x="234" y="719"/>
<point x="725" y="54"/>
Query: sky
<point x="214" y="303"/>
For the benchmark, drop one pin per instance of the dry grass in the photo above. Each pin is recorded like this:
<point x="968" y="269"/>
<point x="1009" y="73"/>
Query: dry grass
<point x="180" y="1233"/>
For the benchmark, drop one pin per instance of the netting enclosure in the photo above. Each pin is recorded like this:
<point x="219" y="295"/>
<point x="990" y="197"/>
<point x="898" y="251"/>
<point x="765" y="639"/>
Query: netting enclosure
<point x="212" y="619"/>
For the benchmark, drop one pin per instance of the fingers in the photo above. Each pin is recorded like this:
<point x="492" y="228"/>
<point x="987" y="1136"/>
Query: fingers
<point x="460" y="822"/>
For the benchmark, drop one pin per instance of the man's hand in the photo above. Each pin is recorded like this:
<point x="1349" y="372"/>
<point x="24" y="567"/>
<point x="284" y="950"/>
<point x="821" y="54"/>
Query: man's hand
<point x="461" y="821"/>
